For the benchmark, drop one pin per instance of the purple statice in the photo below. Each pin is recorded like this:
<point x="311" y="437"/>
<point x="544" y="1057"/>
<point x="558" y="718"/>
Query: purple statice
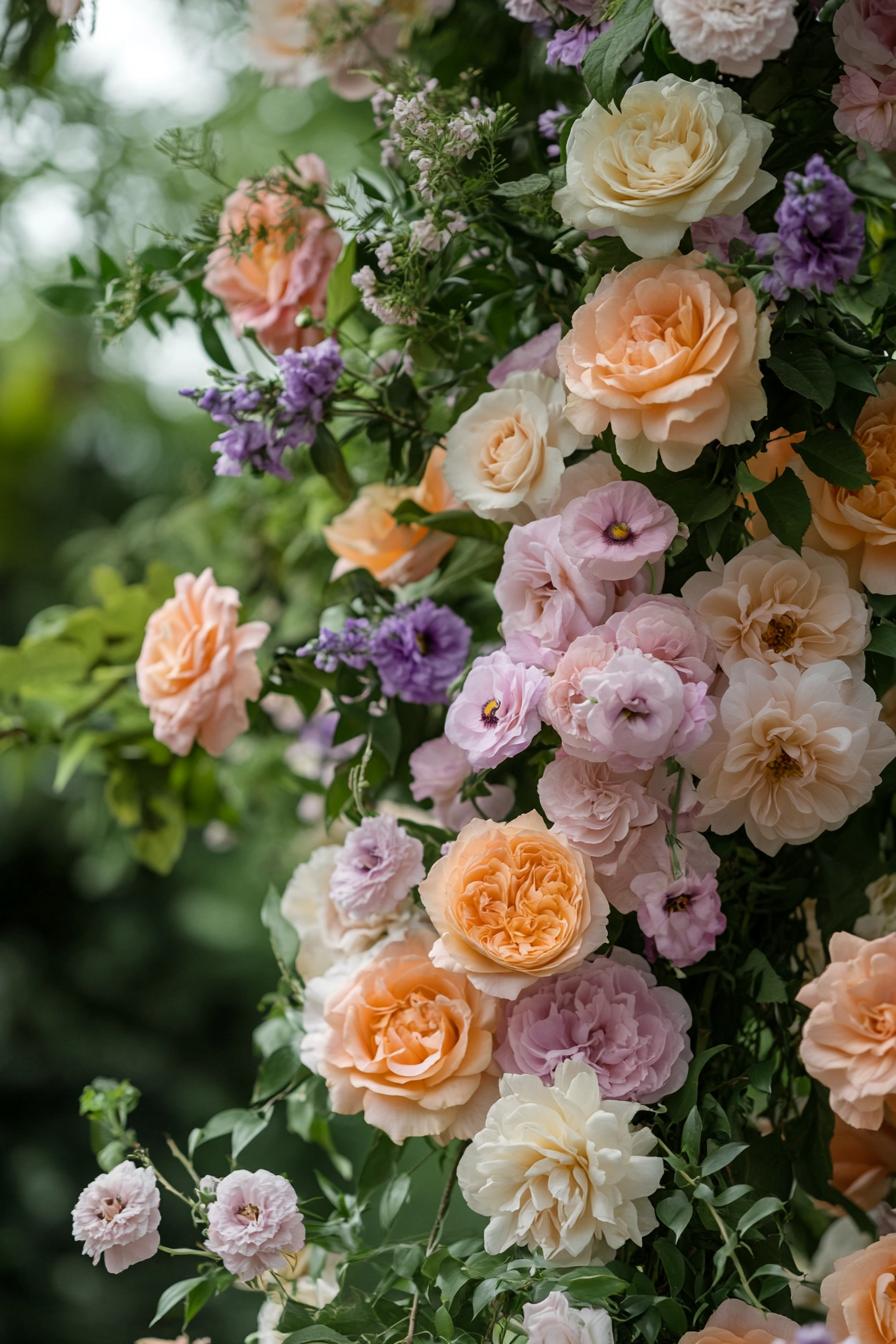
<point x="418" y="651"/>
<point x="568" y="46"/>
<point x="549" y="124"/>
<point x="348" y="647"/>
<point x="820" y="237"/>
<point x="265" y="418"/>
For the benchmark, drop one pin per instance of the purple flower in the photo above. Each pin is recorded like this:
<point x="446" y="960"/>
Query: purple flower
<point x="820" y="237"/>
<point x="568" y="46"/>
<point x="537" y="355"/>
<point x="254" y="1223"/>
<point x="117" y="1216"/>
<point x="610" y="1013"/>
<point x="715" y="235"/>
<point x="309" y="377"/>
<point x="349" y="646"/>
<point x="549" y="124"/>
<point x="376" y="870"/>
<point x="682" y="916"/>
<point x="418" y="651"/>
<point x="496" y="714"/>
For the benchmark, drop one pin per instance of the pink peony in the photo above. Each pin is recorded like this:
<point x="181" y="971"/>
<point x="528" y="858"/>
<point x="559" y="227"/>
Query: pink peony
<point x="681" y="916"/>
<point x="739" y="38"/>
<point x="496" y="714"/>
<point x="619" y="528"/>
<point x="547" y="600"/>
<point x="611" y="1014"/>
<point x="539" y="355"/>
<point x="117" y="1216"/>
<point x="665" y="628"/>
<point x="274" y="258"/>
<point x="438" y="772"/>
<point x="602" y="814"/>
<point x="197" y="667"/>
<point x="866" y="110"/>
<point x="254" y="1223"/>
<point x="376" y="869"/>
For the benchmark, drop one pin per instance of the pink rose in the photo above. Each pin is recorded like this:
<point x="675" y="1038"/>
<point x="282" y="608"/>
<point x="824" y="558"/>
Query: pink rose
<point x="666" y="629"/>
<point x="117" y="1216"/>
<point x="642" y="711"/>
<point x="565" y="706"/>
<point x="197" y="667"/>
<point x="275" y="256"/>
<point x="680" y="916"/>
<point x="496" y="714"/>
<point x="602" y="814"/>
<point x="254" y="1223"/>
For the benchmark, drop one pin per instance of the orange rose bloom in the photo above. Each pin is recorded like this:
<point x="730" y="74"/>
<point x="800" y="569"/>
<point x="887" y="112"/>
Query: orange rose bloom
<point x="864" y="1162"/>
<point x="734" y="1322"/>
<point x="513" y="901"/>
<point x="366" y="536"/>
<point x="860" y="1294"/>
<point x="411" y="1045"/>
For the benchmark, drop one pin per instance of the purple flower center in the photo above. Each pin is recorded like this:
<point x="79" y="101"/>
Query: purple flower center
<point x="490" y="712"/>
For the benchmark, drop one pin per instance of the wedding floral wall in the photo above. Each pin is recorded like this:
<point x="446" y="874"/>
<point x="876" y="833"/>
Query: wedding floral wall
<point x="550" y="633"/>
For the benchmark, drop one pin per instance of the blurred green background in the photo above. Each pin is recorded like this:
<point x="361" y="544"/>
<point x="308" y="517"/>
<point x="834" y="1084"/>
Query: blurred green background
<point x="104" y="967"/>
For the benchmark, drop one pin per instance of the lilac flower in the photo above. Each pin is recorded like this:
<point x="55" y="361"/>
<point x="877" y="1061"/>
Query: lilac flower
<point x="496" y="714"/>
<point x="820" y="237"/>
<point x="378" y="866"/>
<point x="117" y="1216"/>
<point x="681" y="917"/>
<point x="418" y="652"/>
<point x="568" y="46"/>
<point x="349" y="646"/>
<point x="254" y="1223"/>
<point x="549" y="124"/>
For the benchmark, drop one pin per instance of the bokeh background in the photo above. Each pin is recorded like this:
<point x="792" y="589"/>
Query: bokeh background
<point x="106" y="968"/>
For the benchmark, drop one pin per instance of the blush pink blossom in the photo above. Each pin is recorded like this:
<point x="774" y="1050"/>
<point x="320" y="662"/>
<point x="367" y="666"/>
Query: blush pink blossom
<point x="565" y="705"/>
<point x="609" y="1013"/>
<point x="538" y="355"/>
<point x="716" y="234"/>
<point x="496" y="714"/>
<point x="680" y="916"/>
<point x="667" y="629"/>
<point x="619" y="528"/>
<point x="865" y="36"/>
<point x="866" y="109"/>
<point x="376" y="869"/>
<point x="547" y="600"/>
<point x="651" y="854"/>
<point x="554" y="1320"/>
<point x="197" y="667"/>
<point x="117" y="1217"/>
<point x="438" y="772"/>
<point x="739" y="38"/>
<point x="642" y="711"/>
<point x="602" y="813"/>
<point x="254" y="1223"/>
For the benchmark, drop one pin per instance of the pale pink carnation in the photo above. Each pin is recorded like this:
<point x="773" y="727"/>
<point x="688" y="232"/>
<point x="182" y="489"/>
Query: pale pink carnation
<point x="619" y="528"/>
<point x="547" y="600"/>
<point x="538" y="355"/>
<point x="866" y="109"/>
<point x="641" y="711"/>
<point x="376" y="869"/>
<point x="739" y="38"/>
<point x="602" y="813"/>
<point x="496" y="714"/>
<point x="681" y="916"/>
<point x="865" y="36"/>
<point x="555" y="1321"/>
<point x="438" y="771"/>
<point x="197" y="667"/>
<point x="117" y="1217"/>
<point x="254" y="1223"/>
<point x="611" y="1014"/>
<point x="665" y="628"/>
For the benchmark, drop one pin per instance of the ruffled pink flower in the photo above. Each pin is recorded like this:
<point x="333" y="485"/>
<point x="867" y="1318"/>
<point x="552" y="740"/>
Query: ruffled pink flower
<point x="601" y="813"/>
<point x="254" y="1223"/>
<point x="619" y="528"/>
<point x="496" y="714"/>
<point x="376" y="869"/>
<point x="547" y="600"/>
<point x="866" y="109"/>
<point x="716" y="235"/>
<point x="538" y="355"/>
<point x="865" y="36"/>
<point x="738" y="38"/>
<point x="117" y="1216"/>
<point x="681" y="916"/>
<point x="611" y="1014"/>
<point x="197" y="667"/>
<point x="651" y="854"/>
<point x="438" y="772"/>
<point x="667" y="629"/>
<point x="642" y="711"/>
<point x="565" y="705"/>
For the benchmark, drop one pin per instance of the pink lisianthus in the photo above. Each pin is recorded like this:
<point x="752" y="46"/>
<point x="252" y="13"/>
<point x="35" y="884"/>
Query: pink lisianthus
<point x="547" y="600"/>
<point x="619" y="528"/>
<point x="538" y="355"/>
<point x="438" y="772"/>
<point x="376" y="869"/>
<point x="680" y="914"/>
<point x="254" y="1223"/>
<point x="496" y="714"/>
<point x="602" y="814"/>
<point x="611" y="1014"/>
<point x="667" y="629"/>
<point x="866" y="109"/>
<point x="117" y="1217"/>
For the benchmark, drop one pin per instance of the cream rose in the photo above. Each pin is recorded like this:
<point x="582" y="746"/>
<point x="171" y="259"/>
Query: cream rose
<point x="675" y="151"/>
<point x="506" y="453"/>
<point x="667" y="354"/>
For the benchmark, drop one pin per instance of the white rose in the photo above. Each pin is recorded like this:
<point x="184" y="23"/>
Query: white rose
<point x="506" y="453"/>
<point x="554" y="1321"/>
<point x="559" y="1170"/>
<point x="673" y="152"/>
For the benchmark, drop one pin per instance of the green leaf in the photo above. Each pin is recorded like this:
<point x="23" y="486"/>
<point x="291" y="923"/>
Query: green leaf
<point x="213" y="345"/>
<point x="72" y="756"/>
<point x="379" y="1165"/>
<point x="692" y="1134"/>
<point x="673" y="1262"/>
<point x="785" y="506"/>
<point x="523" y="186"/>
<point x="679" y="1105"/>
<point x="393" y="1197"/>
<point x="768" y="985"/>
<point x="836" y="457"/>
<point x="763" y="1208"/>
<point x="883" y="639"/>
<point x="317" y="1334"/>
<point x="247" y="1129"/>
<point x="675" y="1212"/>
<point x="71" y="299"/>
<point x="606" y="56"/>
<point x="722" y="1157"/>
<point x="277" y="1072"/>
<point x="455" y="522"/>
<point x="161" y="839"/>
<point x="802" y="368"/>
<point x="327" y="460"/>
<point x="853" y="374"/>
<point x="284" y="939"/>
<point x="342" y="297"/>
<point x="197" y="1297"/>
<point x="178" y="1292"/>
<point x="747" y="483"/>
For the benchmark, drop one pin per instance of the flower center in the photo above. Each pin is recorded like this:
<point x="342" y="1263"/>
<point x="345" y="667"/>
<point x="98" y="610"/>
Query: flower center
<point x="780" y="633"/>
<point x="250" y="1211"/>
<point x="110" y="1207"/>
<point x="490" y="712"/>
<point x="881" y="1020"/>
<point x="783" y="766"/>
<point x="676" y="904"/>
<point x="422" y="641"/>
<point x="618" y="532"/>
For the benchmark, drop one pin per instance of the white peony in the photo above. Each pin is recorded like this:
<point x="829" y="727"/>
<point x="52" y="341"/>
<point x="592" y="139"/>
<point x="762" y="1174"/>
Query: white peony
<point x="559" y="1170"/>
<point x="506" y="453"/>
<point x="675" y="151"/>
<point x="555" y="1321"/>
<point x="739" y="35"/>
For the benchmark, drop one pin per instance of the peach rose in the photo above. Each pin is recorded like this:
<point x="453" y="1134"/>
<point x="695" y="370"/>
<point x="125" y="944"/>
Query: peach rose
<point x="411" y="1045"/>
<point x="197" y="667"/>
<point x="863" y="521"/>
<point x="779" y="453"/>
<point x="734" y="1322"/>
<point x="667" y="354"/>
<point x="366" y="536"/>
<point x="860" y="1294"/>
<point x="864" y="1162"/>
<point x="849" y="1040"/>
<point x="513" y="902"/>
<point x="275" y="256"/>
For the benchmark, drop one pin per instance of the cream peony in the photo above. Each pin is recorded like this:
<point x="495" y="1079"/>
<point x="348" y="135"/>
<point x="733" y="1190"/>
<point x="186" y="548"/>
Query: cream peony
<point x="792" y="753"/>
<point x="506" y="453"/>
<point x="558" y="1170"/>
<point x="773" y="604"/>
<point x="675" y="151"/>
<point x="739" y="35"/>
<point x="667" y="354"/>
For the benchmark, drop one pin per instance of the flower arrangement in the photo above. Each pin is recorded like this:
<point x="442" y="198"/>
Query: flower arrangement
<point x="592" y="905"/>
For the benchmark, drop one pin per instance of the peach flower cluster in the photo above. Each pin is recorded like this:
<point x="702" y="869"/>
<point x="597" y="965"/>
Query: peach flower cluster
<point x="275" y="255"/>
